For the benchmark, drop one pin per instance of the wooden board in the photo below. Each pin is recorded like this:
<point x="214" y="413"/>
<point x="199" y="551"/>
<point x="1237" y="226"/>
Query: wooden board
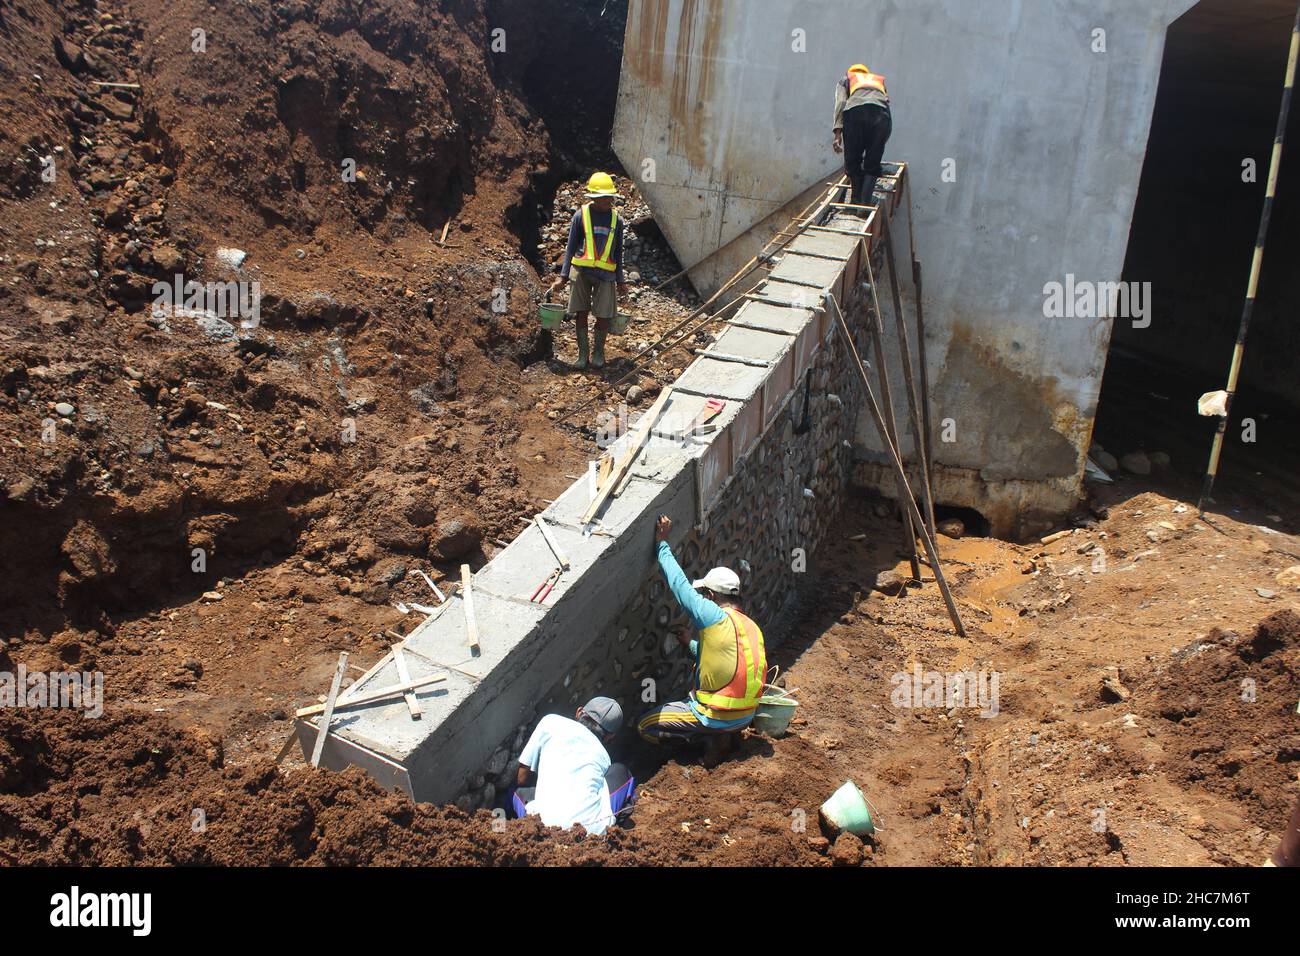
<point x="392" y="690"/>
<point x="327" y="710"/>
<point x="467" y="595"/>
<point x="551" y="543"/>
<point x="639" y="436"/>
<point x="412" y="702"/>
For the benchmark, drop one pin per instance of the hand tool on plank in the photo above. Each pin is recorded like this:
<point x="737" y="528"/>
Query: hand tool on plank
<point x="545" y="588"/>
<point x="711" y="410"/>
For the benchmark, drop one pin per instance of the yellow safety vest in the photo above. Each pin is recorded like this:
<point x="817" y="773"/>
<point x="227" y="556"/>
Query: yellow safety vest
<point x="857" y="79"/>
<point x="589" y="257"/>
<point x="736" y="681"/>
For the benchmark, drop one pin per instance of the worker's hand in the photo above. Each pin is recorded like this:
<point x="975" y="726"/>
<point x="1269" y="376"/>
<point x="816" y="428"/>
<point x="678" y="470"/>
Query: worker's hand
<point x="662" y="527"/>
<point x="624" y="289"/>
<point x="555" y="284"/>
<point x="683" y="635"/>
<point x="837" y="143"/>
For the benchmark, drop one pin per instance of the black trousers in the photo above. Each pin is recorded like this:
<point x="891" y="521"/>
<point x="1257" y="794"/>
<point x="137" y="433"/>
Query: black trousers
<point x="866" y="131"/>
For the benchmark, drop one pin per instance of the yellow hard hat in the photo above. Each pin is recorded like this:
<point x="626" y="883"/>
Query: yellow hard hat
<point x="858" y="68"/>
<point x="601" y="184"/>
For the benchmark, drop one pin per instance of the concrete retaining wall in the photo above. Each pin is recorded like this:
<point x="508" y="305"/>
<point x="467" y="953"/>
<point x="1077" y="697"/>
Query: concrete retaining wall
<point x="1025" y="141"/>
<point x="757" y="495"/>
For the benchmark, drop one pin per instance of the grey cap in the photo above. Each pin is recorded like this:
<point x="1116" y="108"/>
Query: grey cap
<point x="606" y="713"/>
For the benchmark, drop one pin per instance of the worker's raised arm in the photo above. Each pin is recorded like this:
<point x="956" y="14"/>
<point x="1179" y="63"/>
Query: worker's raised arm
<point x="698" y="608"/>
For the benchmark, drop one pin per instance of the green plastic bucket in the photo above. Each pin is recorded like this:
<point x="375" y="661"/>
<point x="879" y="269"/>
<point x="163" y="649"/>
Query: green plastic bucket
<point x="618" y="324"/>
<point x="773" y="715"/>
<point x="847" y="809"/>
<point x="552" y="315"/>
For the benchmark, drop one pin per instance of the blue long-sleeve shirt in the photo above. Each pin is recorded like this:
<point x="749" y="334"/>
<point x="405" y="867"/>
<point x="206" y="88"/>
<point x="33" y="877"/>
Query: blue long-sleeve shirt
<point x="600" y="231"/>
<point x="702" y="612"/>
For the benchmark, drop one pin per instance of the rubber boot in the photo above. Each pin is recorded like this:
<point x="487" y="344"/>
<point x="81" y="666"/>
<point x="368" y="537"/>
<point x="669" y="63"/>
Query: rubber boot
<point x="719" y="748"/>
<point x="582" y="348"/>
<point x="598" y="354"/>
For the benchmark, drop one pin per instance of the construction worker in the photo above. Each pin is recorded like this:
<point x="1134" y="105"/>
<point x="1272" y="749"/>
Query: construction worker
<point x="593" y="265"/>
<point x="862" y="126"/>
<point x="730" y="660"/>
<point x="576" y="782"/>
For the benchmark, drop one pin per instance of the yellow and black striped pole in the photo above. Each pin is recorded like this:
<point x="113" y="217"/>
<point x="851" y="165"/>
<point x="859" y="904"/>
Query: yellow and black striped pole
<point x="1274" y="165"/>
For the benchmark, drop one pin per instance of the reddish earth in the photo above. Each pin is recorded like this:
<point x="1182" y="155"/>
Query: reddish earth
<point x="1124" y="733"/>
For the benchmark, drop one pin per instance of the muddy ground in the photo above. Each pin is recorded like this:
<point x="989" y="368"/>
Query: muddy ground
<point x="222" y="510"/>
<point x="1145" y="715"/>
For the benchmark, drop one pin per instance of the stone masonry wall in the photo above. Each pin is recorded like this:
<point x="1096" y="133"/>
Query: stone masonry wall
<point x="754" y="525"/>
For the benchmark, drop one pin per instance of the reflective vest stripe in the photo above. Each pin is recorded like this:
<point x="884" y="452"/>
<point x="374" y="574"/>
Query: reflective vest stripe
<point x="857" y="80"/>
<point x="589" y="257"/>
<point x="740" y="695"/>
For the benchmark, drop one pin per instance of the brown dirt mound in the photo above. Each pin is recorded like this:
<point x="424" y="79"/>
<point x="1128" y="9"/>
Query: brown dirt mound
<point x="130" y="790"/>
<point x="1229" y="703"/>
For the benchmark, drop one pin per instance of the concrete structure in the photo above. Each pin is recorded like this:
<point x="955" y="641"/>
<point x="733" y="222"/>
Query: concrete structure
<point x="758" y="495"/>
<point x="1025" y="129"/>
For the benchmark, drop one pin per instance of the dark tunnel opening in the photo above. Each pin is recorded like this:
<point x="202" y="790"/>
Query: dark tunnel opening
<point x="1193" y="238"/>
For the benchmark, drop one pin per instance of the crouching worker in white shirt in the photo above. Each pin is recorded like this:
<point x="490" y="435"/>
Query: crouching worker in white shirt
<point x="576" y="782"/>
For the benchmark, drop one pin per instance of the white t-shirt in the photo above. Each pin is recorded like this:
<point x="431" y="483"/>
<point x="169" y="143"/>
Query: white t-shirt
<point x="571" y="765"/>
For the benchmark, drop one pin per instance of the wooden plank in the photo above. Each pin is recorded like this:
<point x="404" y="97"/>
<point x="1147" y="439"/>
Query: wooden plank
<point x="842" y="232"/>
<point x="727" y="357"/>
<point x="447" y="225"/>
<point x="327" y="710"/>
<point x="355" y="687"/>
<point x="639" y="436"/>
<point x="467" y="595"/>
<point x="392" y="690"/>
<point x="551" y="542"/>
<point x="412" y="702"/>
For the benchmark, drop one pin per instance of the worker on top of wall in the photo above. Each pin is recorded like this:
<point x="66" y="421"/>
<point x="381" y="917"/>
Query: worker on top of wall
<point x="593" y="264"/>
<point x="730" y="660"/>
<point x="576" y="782"/>
<point x="861" y="129"/>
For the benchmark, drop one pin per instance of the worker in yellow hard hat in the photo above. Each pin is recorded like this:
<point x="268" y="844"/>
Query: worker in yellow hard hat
<point x="862" y="126"/>
<point x="593" y="266"/>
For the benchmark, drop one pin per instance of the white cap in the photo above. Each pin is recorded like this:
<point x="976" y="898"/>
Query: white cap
<point x="719" y="581"/>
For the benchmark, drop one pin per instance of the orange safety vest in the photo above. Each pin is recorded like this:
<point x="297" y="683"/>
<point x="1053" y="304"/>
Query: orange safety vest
<point x="739" y="697"/>
<point x="589" y="258"/>
<point x="857" y="79"/>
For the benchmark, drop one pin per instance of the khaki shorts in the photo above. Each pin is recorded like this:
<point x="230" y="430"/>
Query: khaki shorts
<point x="589" y="294"/>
